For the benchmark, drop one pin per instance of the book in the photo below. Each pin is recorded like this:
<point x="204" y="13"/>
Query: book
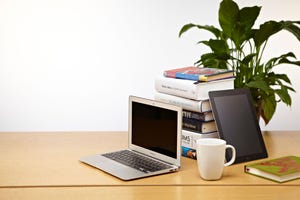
<point x="188" y="142"/>
<point x="188" y="152"/>
<point x="188" y="104"/>
<point x="189" y="88"/>
<point x="279" y="169"/>
<point x="189" y="138"/>
<point x="202" y="116"/>
<point x="199" y="73"/>
<point x="198" y="125"/>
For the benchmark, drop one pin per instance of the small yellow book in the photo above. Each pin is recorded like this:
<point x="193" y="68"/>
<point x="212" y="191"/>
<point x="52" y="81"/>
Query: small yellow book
<point x="279" y="169"/>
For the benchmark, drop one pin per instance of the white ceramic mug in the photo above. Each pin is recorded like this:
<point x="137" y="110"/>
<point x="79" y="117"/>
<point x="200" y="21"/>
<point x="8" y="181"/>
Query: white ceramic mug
<point x="211" y="157"/>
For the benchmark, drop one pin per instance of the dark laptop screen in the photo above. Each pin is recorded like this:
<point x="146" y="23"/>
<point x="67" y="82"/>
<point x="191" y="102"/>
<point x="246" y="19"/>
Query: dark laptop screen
<point x="154" y="128"/>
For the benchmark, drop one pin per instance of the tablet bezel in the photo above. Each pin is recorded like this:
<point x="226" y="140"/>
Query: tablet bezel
<point x="223" y="135"/>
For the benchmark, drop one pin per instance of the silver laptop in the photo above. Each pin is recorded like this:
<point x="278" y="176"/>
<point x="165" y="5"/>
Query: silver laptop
<point x="154" y="142"/>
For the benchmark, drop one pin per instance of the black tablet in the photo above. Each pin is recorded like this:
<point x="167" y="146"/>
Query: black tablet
<point x="236" y="120"/>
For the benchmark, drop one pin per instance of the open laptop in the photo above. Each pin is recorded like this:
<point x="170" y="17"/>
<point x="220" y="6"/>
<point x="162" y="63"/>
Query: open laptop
<point x="154" y="137"/>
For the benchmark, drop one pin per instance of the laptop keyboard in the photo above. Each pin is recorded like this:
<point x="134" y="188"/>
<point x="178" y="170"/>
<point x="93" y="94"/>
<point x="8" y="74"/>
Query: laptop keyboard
<point x="136" y="161"/>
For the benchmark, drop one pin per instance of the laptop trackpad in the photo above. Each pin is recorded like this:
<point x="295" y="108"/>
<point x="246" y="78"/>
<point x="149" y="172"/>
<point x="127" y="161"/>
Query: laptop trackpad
<point x="112" y="167"/>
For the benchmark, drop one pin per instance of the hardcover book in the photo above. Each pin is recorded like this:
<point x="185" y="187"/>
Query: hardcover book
<point x="188" y="104"/>
<point x="199" y="74"/>
<point x="189" y="138"/>
<point x="198" y="125"/>
<point x="188" y="152"/>
<point x="201" y="116"/>
<point x="280" y="169"/>
<point x="188" y="142"/>
<point x="191" y="89"/>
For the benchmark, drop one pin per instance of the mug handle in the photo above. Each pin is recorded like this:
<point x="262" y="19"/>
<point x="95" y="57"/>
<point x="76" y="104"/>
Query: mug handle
<point x="233" y="155"/>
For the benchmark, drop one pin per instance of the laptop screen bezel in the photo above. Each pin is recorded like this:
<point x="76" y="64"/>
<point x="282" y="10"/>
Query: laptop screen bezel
<point x="177" y="109"/>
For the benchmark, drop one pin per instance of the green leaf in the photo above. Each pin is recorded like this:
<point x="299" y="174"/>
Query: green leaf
<point x="227" y="20"/>
<point x="265" y="31"/>
<point x="283" y="77"/>
<point x="292" y="28"/>
<point x="284" y="95"/>
<point x="259" y="84"/>
<point x="283" y="59"/>
<point x="248" y="16"/>
<point x="270" y="28"/>
<point x="211" y="29"/>
<point x="214" y="60"/>
<point x="268" y="106"/>
<point x="186" y="28"/>
<point x="243" y="26"/>
<point x="237" y="24"/>
<point x="205" y="42"/>
<point x="276" y="60"/>
<point x="247" y="59"/>
<point x="218" y="46"/>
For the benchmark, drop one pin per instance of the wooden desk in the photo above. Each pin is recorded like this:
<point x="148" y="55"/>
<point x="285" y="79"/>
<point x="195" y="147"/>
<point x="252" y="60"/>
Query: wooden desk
<point x="46" y="166"/>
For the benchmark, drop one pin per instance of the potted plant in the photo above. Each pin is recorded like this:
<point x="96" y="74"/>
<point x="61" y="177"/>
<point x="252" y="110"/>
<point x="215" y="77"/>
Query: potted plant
<point x="239" y="46"/>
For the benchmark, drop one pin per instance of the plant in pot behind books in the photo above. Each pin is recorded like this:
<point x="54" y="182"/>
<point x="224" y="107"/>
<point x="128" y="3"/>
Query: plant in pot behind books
<point x="237" y="45"/>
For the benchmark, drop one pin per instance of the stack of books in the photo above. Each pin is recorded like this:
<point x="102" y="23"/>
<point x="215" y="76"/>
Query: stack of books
<point x="188" y="87"/>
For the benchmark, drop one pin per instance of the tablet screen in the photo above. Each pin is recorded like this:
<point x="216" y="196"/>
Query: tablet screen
<point x="237" y="123"/>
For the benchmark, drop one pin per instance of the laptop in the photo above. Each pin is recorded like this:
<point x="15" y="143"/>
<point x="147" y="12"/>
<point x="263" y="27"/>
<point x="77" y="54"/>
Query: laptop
<point x="154" y="142"/>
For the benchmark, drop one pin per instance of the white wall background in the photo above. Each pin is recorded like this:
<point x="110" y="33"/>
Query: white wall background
<point x="70" y="65"/>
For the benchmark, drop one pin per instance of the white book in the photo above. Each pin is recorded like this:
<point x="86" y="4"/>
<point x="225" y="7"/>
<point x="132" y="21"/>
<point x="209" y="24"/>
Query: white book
<point x="188" y="104"/>
<point x="189" y="88"/>
<point x="189" y="138"/>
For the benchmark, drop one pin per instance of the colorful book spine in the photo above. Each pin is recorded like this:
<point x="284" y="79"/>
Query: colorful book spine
<point x="194" y="77"/>
<point x="198" y="73"/>
<point x="173" y="72"/>
<point x="188" y="152"/>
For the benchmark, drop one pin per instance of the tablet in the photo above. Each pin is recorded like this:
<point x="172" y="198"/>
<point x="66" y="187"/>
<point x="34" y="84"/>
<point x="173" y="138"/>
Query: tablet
<point x="236" y="121"/>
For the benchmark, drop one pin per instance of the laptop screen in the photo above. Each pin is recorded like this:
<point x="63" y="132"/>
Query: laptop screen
<point x="154" y="128"/>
